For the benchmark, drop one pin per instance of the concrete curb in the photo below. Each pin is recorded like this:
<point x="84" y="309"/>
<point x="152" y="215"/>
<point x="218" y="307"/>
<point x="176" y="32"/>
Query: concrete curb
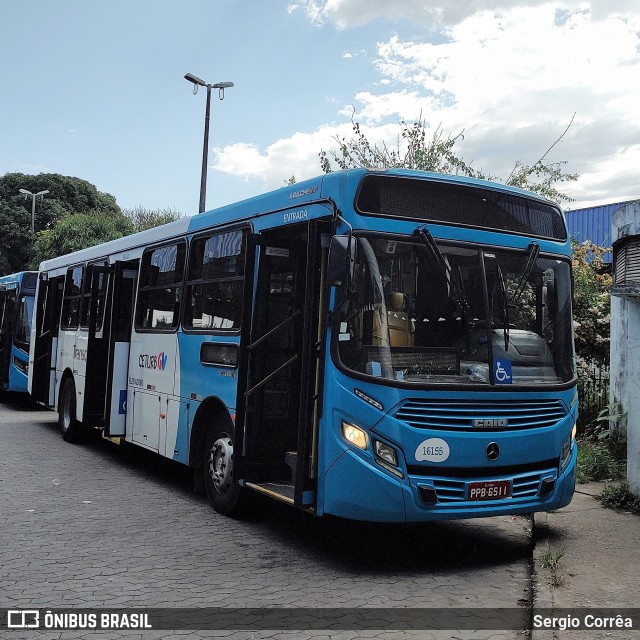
<point x="542" y="596"/>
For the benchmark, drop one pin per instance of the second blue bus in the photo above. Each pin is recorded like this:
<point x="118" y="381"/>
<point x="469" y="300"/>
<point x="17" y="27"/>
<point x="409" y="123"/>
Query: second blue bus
<point x="17" y="293"/>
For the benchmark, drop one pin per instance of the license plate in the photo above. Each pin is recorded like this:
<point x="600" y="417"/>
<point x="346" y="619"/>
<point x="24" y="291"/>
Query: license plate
<point x="489" y="490"/>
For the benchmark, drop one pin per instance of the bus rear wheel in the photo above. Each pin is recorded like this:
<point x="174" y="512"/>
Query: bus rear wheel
<point x="223" y="492"/>
<point x="69" y="425"/>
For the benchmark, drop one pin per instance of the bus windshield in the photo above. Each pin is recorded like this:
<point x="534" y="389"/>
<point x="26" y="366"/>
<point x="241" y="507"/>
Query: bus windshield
<point x="427" y="313"/>
<point x="22" y="336"/>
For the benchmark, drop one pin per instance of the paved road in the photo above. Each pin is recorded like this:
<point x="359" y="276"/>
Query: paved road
<point x="97" y="525"/>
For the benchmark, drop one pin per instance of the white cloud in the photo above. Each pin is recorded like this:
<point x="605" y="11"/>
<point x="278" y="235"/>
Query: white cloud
<point x="347" y="56"/>
<point x="345" y="14"/>
<point x="292" y="7"/>
<point x="492" y="77"/>
<point x="297" y="155"/>
<point x="511" y="81"/>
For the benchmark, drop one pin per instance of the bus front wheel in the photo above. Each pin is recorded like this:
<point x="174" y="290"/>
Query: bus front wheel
<point x="69" y="425"/>
<point x="223" y="492"/>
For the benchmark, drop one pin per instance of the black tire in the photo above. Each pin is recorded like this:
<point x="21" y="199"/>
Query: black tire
<point x="222" y="491"/>
<point x="69" y="425"/>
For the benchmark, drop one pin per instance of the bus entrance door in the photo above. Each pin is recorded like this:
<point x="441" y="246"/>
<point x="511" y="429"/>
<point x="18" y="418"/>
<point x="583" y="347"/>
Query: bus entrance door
<point x="6" y="310"/>
<point x="277" y="379"/>
<point x="47" y="319"/>
<point x="112" y="299"/>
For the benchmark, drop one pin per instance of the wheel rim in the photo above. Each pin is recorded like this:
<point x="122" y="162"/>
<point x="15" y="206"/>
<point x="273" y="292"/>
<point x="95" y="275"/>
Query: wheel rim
<point x="221" y="464"/>
<point x="66" y="412"/>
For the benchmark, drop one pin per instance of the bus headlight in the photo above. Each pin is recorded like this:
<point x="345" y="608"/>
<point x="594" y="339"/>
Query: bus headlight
<point x="21" y="365"/>
<point x="386" y="456"/>
<point x="385" y="452"/>
<point x="354" y="435"/>
<point x="567" y="446"/>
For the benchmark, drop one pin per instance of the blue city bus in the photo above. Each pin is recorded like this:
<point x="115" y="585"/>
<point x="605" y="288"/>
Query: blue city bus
<point x="17" y="293"/>
<point x="376" y="345"/>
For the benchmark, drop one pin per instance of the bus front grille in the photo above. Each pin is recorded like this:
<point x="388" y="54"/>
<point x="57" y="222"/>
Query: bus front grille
<point x="525" y="485"/>
<point x="486" y="415"/>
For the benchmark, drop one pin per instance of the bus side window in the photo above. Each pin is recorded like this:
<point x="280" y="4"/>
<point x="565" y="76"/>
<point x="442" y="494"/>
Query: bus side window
<point x="72" y="298"/>
<point x="215" y="282"/>
<point x="91" y="275"/>
<point x="160" y="289"/>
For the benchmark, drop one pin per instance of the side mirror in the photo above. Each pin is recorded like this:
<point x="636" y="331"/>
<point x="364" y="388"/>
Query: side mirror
<point x="342" y="257"/>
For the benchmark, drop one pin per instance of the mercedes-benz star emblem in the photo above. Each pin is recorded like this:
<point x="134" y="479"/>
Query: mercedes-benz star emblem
<point x="493" y="451"/>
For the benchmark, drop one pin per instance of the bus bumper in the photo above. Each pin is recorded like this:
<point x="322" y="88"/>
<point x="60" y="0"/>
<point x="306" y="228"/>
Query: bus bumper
<point x="358" y="490"/>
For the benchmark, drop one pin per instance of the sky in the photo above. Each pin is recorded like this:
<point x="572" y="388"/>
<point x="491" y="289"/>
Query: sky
<point x="97" y="90"/>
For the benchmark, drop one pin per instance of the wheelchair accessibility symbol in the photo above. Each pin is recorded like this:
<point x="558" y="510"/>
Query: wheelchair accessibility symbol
<point x="502" y="371"/>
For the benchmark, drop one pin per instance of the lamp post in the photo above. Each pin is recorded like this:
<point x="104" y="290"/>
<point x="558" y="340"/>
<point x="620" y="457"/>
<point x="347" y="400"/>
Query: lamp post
<point x="33" y="204"/>
<point x="221" y="86"/>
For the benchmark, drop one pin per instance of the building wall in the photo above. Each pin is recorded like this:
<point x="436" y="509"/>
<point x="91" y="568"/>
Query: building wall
<point x="625" y="349"/>
<point x="594" y="224"/>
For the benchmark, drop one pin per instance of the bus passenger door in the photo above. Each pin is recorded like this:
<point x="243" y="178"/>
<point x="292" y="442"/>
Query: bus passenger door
<point x="6" y="333"/>
<point x="110" y="320"/>
<point x="5" y="339"/>
<point x="45" y="348"/>
<point x="278" y="356"/>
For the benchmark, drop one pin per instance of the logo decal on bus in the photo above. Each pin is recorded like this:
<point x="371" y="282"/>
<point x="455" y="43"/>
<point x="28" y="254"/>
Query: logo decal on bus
<point x="502" y="371"/>
<point x="159" y="362"/>
<point x="433" y="450"/>
<point x="294" y="216"/>
<point x="303" y="192"/>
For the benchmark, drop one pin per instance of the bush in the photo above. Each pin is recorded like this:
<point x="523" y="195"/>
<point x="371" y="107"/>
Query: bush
<point x="596" y="462"/>
<point x="618" y="496"/>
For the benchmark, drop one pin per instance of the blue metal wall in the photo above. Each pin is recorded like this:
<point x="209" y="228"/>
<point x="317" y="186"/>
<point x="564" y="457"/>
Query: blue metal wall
<point x="593" y="223"/>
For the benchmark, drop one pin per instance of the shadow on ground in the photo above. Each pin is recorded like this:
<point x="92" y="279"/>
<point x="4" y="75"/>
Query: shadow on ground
<point x="379" y="548"/>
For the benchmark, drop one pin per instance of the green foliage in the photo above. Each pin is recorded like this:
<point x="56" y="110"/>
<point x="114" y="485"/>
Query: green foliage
<point x="597" y="462"/>
<point x="143" y="219"/>
<point x="416" y="149"/>
<point x="591" y="303"/>
<point x="618" y="496"/>
<point x="80" y="230"/>
<point x="550" y="559"/>
<point x="72" y="216"/>
<point x="67" y="195"/>
<point x="17" y="239"/>
<point x="610" y="428"/>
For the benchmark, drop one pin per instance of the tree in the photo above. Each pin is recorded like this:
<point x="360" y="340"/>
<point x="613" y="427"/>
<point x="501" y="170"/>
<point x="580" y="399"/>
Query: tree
<point x="143" y="219"/>
<point x="77" y="231"/>
<point x="415" y="149"/>
<point x="591" y="304"/>
<point x="67" y="195"/>
<point x="17" y="238"/>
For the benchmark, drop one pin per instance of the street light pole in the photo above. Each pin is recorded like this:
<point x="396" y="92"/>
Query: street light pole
<point x="221" y="86"/>
<point x="33" y="204"/>
<point x="205" y="153"/>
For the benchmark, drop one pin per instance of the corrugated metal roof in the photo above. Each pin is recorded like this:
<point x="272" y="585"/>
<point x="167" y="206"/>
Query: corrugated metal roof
<point x="593" y="223"/>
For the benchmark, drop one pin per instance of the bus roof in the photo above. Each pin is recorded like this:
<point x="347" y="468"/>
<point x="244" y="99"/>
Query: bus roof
<point x="333" y="186"/>
<point x="21" y="279"/>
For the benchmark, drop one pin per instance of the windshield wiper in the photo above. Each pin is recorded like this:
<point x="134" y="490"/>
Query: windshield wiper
<point x="457" y="284"/>
<point x="534" y="250"/>
<point x="505" y="308"/>
<point x="425" y="235"/>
